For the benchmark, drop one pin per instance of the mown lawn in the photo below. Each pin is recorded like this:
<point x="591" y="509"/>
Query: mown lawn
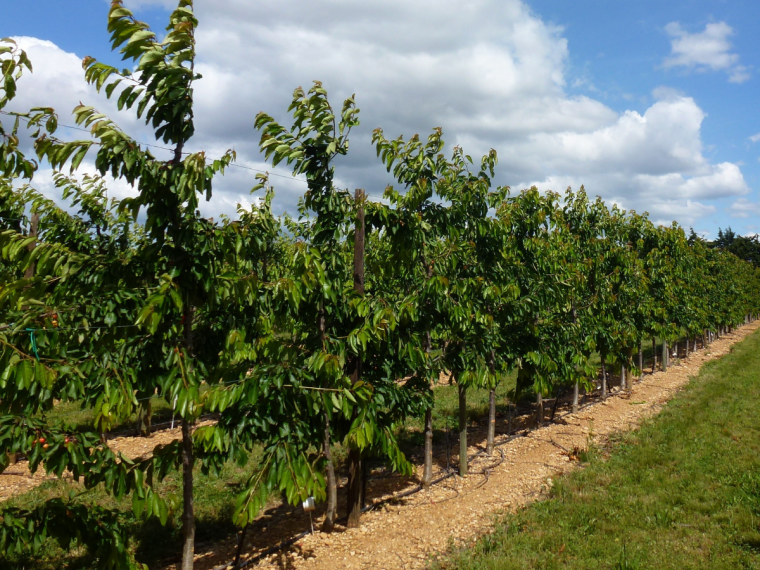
<point x="681" y="492"/>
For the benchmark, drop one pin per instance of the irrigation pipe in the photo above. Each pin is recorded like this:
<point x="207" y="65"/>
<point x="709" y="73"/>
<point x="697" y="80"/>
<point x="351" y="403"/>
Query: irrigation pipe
<point x="485" y="472"/>
<point x="289" y="542"/>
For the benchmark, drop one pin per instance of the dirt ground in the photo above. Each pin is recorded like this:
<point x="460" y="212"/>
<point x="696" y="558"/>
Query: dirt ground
<point x="409" y="532"/>
<point x="18" y="479"/>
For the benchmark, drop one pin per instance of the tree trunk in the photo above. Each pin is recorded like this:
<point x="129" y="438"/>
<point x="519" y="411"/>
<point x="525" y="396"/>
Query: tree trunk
<point x="355" y="455"/>
<point x="188" y="514"/>
<point x="654" y="355"/>
<point x="575" y="398"/>
<point x="332" y="486"/>
<point x="664" y="355"/>
<point x="427" y="474"/>
<point x="539" y="409"/>
<point x="623" y="383"/>
<point x="188" y="459"/>
<point x="491" y="407"/>
<point x="365" y="476"/>
<point x="354" y="500"/>
<point x="144" y="415"/>
<point x="491" y="421"/>
<point x="641" y="361"/>
<point x="686" y="354"/>
<point x="604" y="379"/>
<point x="28" y="274"/>
<point x="554" y="407"/>
<point x="462" y="430"/>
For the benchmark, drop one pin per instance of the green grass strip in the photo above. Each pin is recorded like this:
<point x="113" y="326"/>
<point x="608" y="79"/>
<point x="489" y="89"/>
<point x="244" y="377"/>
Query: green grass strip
<point x="683" y="491"/>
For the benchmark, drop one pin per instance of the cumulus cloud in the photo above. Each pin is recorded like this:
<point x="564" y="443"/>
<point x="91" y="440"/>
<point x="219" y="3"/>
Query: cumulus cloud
<point x="743" y="208"/>
<point x="651" y="162"/>
<point x="707" y="50"/>
<point x="490" y="72"/>
<point x="58" y="81"/>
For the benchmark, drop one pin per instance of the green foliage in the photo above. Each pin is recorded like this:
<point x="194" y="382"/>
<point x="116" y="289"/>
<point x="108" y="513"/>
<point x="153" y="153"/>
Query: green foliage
<point x="264" y="322"/>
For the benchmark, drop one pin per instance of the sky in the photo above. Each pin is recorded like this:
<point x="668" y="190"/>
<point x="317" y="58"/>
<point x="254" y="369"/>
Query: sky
<point x="651" y="105"/>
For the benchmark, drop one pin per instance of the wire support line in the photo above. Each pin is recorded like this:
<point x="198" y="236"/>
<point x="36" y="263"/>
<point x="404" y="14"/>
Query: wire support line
<point x="56" y="329"/>
<point x="291" y="177"/>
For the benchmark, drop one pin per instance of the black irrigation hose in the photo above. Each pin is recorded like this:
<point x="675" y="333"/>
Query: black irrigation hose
<point x="289" y="542"/>
<point x="485" y="472"/>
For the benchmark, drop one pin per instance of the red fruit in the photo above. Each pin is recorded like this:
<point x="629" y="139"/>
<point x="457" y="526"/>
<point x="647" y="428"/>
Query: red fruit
<point x="42" y="440"/>
<point x="66" y="440"/>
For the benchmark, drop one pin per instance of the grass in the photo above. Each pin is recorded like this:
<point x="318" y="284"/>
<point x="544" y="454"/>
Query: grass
<point x="215" y="497"/>
<point x="153" y="543"/>
<point x="681" y="492"/>
<point x="74" y="415"/>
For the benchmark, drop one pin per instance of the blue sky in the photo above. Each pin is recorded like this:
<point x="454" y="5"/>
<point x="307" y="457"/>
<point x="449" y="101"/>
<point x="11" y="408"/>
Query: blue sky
<point x="650" y="104"/>
<point x="621" y="45"/>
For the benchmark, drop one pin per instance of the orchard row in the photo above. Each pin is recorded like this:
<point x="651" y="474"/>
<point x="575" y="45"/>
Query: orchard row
<point x="298" y="334"/>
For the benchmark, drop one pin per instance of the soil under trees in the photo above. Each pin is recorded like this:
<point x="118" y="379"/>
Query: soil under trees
<point x="413" y="530"/>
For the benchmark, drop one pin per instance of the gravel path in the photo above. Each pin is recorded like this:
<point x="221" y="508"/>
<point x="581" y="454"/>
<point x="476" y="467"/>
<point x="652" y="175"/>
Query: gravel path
<point x="408" y="533"/>
<point x="411" y="532"/>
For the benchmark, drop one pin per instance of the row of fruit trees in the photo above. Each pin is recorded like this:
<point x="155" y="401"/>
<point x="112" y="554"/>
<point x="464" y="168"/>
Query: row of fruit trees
<point x="295" y="333"/>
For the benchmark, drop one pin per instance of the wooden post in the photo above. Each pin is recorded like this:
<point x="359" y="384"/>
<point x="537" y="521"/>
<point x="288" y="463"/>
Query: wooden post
<point x="355" y="455"/>
<point x="33" y="231"/>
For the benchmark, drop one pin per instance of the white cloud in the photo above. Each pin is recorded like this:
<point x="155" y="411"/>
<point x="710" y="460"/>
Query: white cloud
<point x="707" y="50"/>
<point x="743" y="208"/>
<point x="755" y="138"/>
<point x="651" y="162"/>
<point x="490" y="72"/>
